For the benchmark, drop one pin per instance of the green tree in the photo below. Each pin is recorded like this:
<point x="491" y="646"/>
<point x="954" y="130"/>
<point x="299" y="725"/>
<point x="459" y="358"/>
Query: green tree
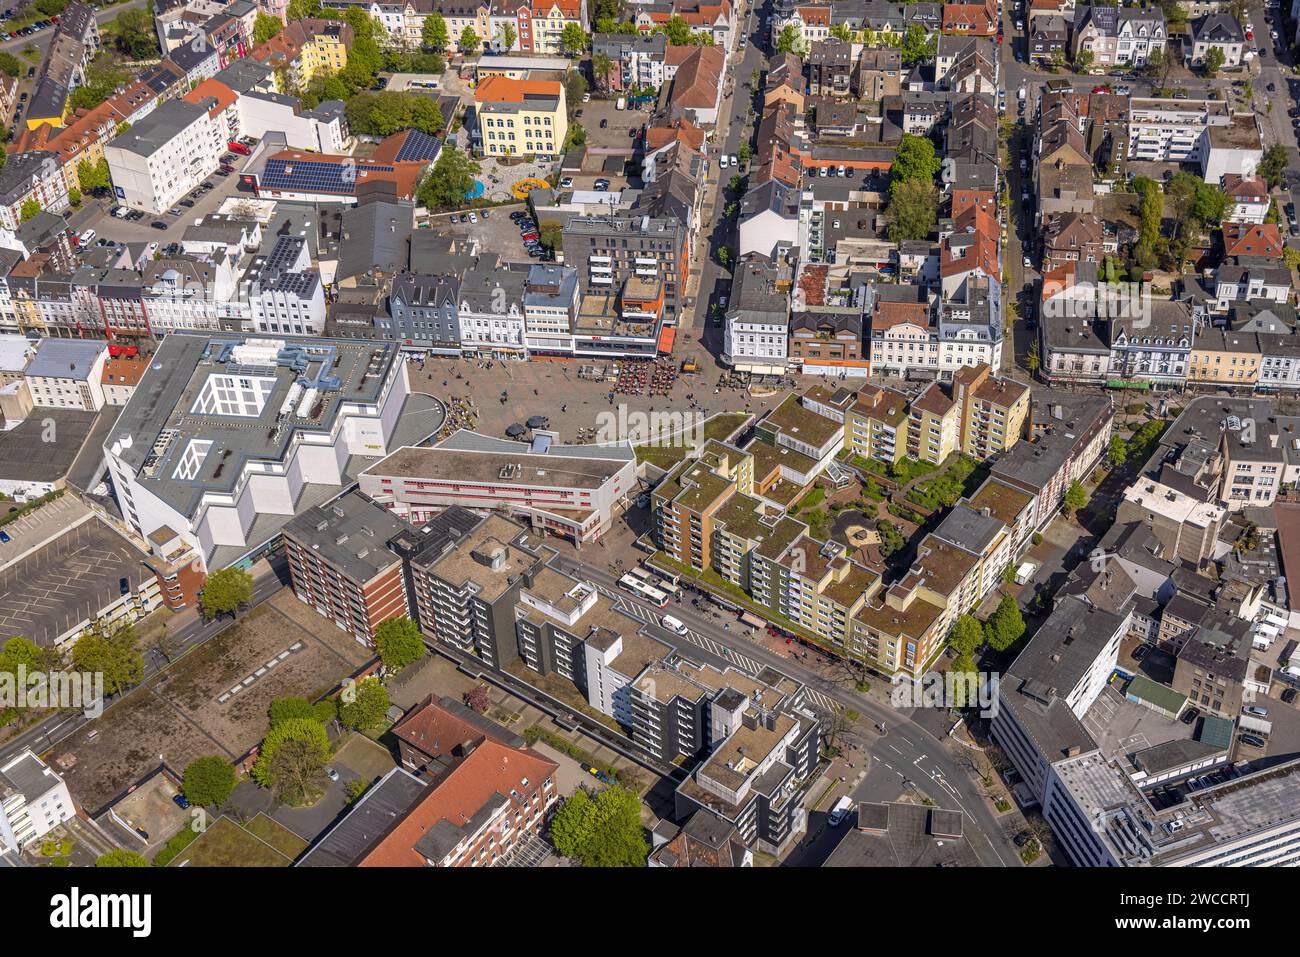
<point x="790" y="40"/>
<point x="29" y="209"/>
<point x="265" y="27"/>
<point x="841" y="31"/>
<point x="303" y="10"/>
<point x="743" y="152"/>
<point x="10" y="65"/>
<point x="506" y="36"/>
<point x="291" y="758"/>
<point x="1214" y="59"/>
<point x="967" y="635"/>
<point x="368" y="709"/>
<point x="469" y="41"/>
<point x="434" y="32"/>
<point x="399" y="643"/>
<point x="918" y="46"/>
<point x="1033" y="361"/>
<point x="601" y="68"/>
<point x="678" y="31"/>
<point x="1273" y="165"/>
<point x="915" y="158"/>
<point x="121" y="859"/>
<point x="1076" y="498"/>
<point x="575" y="86"/>
<point x="225" y="592"/>
<point x="111" y="651"/>
<point x="913" y="210"/>
<point x="1005" y="625"/>
<point x="134" y="35"/>
<point x="574" y="41"/>
<point x="1083" y="60"/>
<point x="450" y="180"/>
<point x="74" y="196"/>
<point x="601" y="830"/>
<point x="1117" y="453"/>
<point x="208" y="781"/>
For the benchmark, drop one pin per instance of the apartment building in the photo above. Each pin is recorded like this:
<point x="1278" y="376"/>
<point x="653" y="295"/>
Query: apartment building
<point x="992" y="411"/>
<point x="618" y="249"/>
<point x="1118" y="35"/>
<point x="466" y="574"/>
<point x="31" y="175"/>
<point x="758" y="317"/>
<point x="932" y="426"/>
<point x="1246" y="435"/>
<point x="1221" y="357"/>
<point x="340" y="564"/>
<point x="522" y="117"/>
<point x="68" y="374"/>
<point x="876" y="424"/>
<point x="283" y="292"/>
<point x="164" y="156"/>
<point x="33" y="801"/>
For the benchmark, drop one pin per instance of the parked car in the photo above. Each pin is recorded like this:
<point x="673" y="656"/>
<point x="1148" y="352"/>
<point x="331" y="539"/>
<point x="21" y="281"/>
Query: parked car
<point x="4" y="537"/>
<point x="1023" y="838"/>
<point x="187" y="203"/>
<point x="601" y="185"/>
<point x="566" y="183"/>
<point x="1255" y="710"/>
<point x="1190" y="715"/>
<point x="529" y="236"/>
<point x="158" y="224"/>
<point x="1288" y="696"/>
<point x="181" y="801"/>
<point x="86" y="237"/>
<point x="1254" y="740"/>
<point x="331" y="774"/>
<point x="473" y="218"/>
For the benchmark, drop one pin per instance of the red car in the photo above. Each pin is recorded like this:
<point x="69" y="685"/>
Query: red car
<point x="239" y="148"/>
<point x="999" y="38"/>
<point x="527" y="237"/>
<point x="1099" y="89"/>
<point x="1250" y="34"/>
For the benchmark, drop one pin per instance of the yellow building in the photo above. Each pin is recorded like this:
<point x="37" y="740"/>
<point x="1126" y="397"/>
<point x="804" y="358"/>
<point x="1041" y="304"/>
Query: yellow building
<point x="933" y="426"/>
<point x="875" y="425"/>
<point x="992" y="413"/>
<point x="1221" y="357"/>
<point x="521" y="117"/>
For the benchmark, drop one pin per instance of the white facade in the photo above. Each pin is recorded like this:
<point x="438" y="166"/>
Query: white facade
<point x="33" y="801"/>
<point x="165" y="156"/>
<point x="260" y="113"/>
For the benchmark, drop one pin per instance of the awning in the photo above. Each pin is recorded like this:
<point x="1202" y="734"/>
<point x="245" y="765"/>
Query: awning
<point x="666" y="337"/>
<point x="1127" y="384"/>
<point x="752" y="620"/>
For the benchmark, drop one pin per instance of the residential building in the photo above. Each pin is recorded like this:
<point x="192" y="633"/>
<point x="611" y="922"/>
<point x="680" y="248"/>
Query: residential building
<point x="164" y="156"/>
<point x="33" y="801"/>
<point x="522" y="117"/>
<point x="1118" y="35"/>
<point x="1217" y="31"/>
<point x="67" y="374"/>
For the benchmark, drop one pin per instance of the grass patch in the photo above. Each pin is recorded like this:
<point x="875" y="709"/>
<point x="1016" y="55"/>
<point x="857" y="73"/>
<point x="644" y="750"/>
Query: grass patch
<point x="277" y="835"/>
<point x="719" y="427"/>
<point x="226" y="844"/>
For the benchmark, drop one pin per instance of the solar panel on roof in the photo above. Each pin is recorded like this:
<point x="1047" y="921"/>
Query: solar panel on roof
<point x="316" y="176"/>
<point x="418" y="146"/>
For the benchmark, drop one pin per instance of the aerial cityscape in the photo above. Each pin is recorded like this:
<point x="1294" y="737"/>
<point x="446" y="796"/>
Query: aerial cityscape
<point x="686" y="433"/>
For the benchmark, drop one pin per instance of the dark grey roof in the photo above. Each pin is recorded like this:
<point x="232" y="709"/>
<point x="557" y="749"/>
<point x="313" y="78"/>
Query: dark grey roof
<point x="351" y="533"/>
<point x="159" y="127"/>
<point x="382" y="807"/>
<point x="968" y="529"/>
<point x="375" y="237"/>
<point x="902" y="835"/>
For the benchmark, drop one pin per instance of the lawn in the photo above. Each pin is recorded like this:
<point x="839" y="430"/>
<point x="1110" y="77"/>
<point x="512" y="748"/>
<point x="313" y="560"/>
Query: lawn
<point x="718" y="427"/>
<point x="226" y="844"/>
<point x="946" y="488"/>
<point x="277" y="835"/>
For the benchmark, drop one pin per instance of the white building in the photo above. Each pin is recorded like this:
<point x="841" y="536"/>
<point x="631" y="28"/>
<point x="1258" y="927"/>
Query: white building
<point x="284" y="294"/>
<point x="322" y="130"/>
<point x="67" y="373"/>
<point x="166" y="155"/>
<point x="757" y="333"/>
<point x="33" y="801"/>
<point x="269" y="423"/>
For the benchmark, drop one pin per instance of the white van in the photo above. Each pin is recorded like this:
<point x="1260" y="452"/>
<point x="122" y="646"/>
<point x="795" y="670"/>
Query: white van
<point x="673" y="624"/>
<point x="841" y="810"/>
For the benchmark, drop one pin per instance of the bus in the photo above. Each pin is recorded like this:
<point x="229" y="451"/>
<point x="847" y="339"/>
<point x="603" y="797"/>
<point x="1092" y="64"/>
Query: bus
<point x="641" y="574"/>
<point x="668" y="588"/>
<point x="643" y="591"/>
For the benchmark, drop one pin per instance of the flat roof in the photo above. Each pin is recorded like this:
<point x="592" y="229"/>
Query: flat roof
<point x="351" y="533"/>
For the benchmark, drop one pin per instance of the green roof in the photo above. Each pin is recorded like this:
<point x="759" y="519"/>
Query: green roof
<point x="1216" y="732"/>
<point x="1142" y="688"/>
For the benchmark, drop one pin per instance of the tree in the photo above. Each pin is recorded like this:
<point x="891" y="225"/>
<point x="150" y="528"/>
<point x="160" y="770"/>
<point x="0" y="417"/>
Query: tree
<point x="1033" y="361"/>
<point x="1273" y="165"/>
<point x="1056" y="60"/>
<point x="790" y="40"/>
<point x="573" y="41"/>
<point x="477" y="700"/>
<point x="135" y="36"/>
<point x="913" y="210"/>
<point x="724" y="256"/>
<point x="399" y="643"/>
<point x="434" y="33"/>
<point x="1083" y="60"/>
<point x="368" y="709"/>
<point x="208" y="781"/>
<point x="601" y="69"/>
<point x="1117" y="454"/>
<point x="29" y="209"/>
<point x="450" y="181"/>
<point x="506" y="36"/>
<point x="122" y="859"/>
<point x="743" y="152"/>
<point x="841" y="31"/>
<point x="1214" y="59"/>
<point x="469" y="41"/>
<point x="10" y="65"/>
<point x="1005" y="625"/>
<point x="292" y="756"/>
<point x="967" y="635"/>
<point x="918" y="46"/>
<point x="74" y="196"/>
<point x="601" y="830"/>
<point x="287" y="709"/>
<point x="575" y="87"/>
<point x="303" y="10"/>
<point x="112" y="652"/>
<point x="1076" y="498"/>
<point x="225" y="592"/>
<point x="891" y="539"/>
<point x="915" y="158"/>
<point x="265" y="27"/>
<point x="551" y="235"/>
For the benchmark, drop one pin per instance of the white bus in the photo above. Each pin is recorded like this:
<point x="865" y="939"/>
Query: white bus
<point x="641" y="574"/>
<point x="668" y="588"/>
<point x="643" y="591"/>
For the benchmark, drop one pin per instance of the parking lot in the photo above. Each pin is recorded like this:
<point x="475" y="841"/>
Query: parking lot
<point x="54" y="589"/>
<point x="28" y="532"/>
<point x="150" y="808"/>
<point x="495" y="233"/>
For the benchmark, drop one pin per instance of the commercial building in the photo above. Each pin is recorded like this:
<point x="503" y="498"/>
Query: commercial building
<point x="227" y="438"/>
<point x="570" y="490"/>
<point x="68" y="374"/>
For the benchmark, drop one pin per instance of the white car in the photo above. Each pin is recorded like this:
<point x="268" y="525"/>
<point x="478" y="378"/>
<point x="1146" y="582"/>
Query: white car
<point x="586" y="98"/>
<point x="473" y="217"/>
<point x="86" y="237"/>
<point x="1028" y="263"/>
<point x="722" y="162"/>
<point x="566" y="183"/>
<point x="673" y="624"/>
<point x="733" y="161"/>
<point x="331" y="774"/>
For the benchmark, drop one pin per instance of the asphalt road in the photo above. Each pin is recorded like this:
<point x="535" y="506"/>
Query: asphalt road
<point x="58" y="727"/>
<point x="910" y="750"/>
